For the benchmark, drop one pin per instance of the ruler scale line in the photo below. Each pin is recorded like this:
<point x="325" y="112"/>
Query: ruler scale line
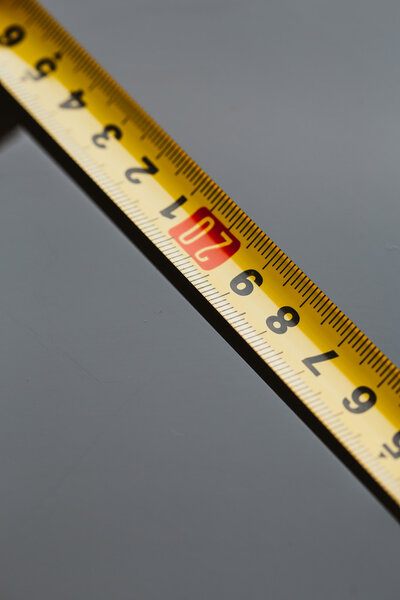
<point x="311" y="353"/>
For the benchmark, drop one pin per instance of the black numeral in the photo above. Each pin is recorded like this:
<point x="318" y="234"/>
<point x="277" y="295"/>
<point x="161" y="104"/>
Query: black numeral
<point x="396" y="443"/>
<point x="44" y="67"/>
<point x="105" y="135"/>
<point x="150" y="169"/>
<point x="242" y="284"/>
<point x="312" y="360"/>
<point x="74" y="101"/>
<point x="169" y="210"/>
<point x="362" y="399"/>
<point x="12" y="35"/>
<point x="286" y="317"/>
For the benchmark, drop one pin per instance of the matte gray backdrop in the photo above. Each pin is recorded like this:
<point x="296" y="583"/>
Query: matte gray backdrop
<point x="140" y="457"/>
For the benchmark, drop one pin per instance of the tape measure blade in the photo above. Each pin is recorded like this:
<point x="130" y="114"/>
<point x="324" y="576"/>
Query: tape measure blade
<point x="285" y="327"/>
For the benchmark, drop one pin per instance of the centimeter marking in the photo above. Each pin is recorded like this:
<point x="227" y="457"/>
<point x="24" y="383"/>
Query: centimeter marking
<point x="349" y="385"/>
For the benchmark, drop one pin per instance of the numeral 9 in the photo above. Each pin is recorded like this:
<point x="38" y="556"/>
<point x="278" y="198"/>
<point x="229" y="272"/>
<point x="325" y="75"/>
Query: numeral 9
<point x="359" y="403"/>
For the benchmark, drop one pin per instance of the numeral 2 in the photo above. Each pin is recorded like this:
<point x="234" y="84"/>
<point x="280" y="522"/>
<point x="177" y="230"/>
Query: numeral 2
<point x="150" y="169"/>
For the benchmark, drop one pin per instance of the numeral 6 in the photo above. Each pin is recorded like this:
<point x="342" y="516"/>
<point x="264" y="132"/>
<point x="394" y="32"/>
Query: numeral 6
<point x="242" y="284"/>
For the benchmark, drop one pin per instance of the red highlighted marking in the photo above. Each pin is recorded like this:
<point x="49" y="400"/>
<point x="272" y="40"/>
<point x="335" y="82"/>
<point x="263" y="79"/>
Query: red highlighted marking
<point x="206" y="239"/>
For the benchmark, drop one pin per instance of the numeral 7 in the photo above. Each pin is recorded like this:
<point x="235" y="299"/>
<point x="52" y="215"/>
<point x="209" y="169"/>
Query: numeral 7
<point x="312" y="360"/>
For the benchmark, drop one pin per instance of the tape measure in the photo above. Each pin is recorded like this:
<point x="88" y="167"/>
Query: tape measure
<point x="321" y="358"/>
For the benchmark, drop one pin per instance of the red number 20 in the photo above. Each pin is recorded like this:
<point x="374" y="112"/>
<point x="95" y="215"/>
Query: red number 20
<point x="205" y="238"/>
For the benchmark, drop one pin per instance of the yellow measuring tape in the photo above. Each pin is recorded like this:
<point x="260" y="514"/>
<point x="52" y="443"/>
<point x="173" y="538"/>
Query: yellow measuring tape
<point x="347" y="383"/>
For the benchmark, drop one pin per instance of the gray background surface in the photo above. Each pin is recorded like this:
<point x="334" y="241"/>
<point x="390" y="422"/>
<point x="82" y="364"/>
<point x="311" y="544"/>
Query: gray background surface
<point x="140" y="457"/>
